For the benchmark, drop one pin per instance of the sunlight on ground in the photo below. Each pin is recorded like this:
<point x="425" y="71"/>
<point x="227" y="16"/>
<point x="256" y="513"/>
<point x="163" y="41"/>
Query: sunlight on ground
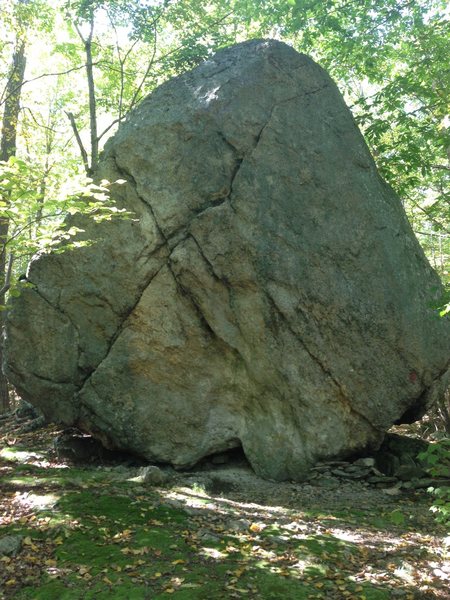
<point x="356" y="540"/>
<point x="99" y="529"/>
<point x="21" y="455"/>
<point x="39" y="502"/>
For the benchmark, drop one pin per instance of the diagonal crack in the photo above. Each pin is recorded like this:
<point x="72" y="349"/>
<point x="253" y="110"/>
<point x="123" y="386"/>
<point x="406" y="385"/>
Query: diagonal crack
<point x="121" y="325"/>
<point x="208" y="263"/>
<point x="324" y="368"/>
<point x="222" y="280"/>
<point x="187" y="293"/>
<point x="280" y="103"/>
<point x="122" y="170"/>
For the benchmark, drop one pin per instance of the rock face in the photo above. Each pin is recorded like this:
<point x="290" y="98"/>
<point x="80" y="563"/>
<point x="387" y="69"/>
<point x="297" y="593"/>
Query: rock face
<point x="269" y="294"/>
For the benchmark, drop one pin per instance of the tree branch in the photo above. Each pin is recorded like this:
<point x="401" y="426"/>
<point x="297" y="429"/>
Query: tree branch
<point x="56" y="74"/>
<point x="443" y="167"/>
<point x="105" y="131"/>
<point x="83" y="152"/>
<point x="92" y="100"/>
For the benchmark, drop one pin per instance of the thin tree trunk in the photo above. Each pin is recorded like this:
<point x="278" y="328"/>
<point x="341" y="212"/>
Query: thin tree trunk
<point x="92" y="105"/>
<point x="7" y="149"/>
<point x="90" y="168"/>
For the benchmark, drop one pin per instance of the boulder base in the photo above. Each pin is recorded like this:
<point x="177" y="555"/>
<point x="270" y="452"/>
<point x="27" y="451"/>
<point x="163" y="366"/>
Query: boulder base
<point x="270" y="292"/>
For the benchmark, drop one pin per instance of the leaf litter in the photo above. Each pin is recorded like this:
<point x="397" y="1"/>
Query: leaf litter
<point x="88" y="531"/>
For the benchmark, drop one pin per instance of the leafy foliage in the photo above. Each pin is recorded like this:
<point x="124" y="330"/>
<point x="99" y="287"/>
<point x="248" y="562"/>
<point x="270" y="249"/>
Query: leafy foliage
<point x="438" y="458"/>
<point x="38" y="223"/>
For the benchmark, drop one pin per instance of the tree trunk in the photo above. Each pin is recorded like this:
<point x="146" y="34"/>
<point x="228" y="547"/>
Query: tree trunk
<point x="8" y="149"/>
<point x="87" y="42"/>
<point x="92" y="106"/>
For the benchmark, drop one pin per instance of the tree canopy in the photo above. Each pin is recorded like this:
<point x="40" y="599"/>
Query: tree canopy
<point x="87" y="63"/>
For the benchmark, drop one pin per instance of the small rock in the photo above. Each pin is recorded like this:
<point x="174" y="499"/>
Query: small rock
<point x="365" y="462"/>
<point x="349" y="474"/>
<point x="320" y="468"/>
<point x="392" y="491"/>
<point x="354" y="469"/>
<point x="206" y="535"/>
<point x="376" y="472"/>
<point x="382" y="479"/>
<point x="25" y="410"/>
<point x="152" y="475"/>
<point x="10" y="545"/>
<point x="239" y="525"/>
<point x="419" y="484"/>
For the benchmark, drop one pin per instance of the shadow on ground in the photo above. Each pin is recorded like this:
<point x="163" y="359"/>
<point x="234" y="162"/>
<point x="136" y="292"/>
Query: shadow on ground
<point x="95" y="532"/>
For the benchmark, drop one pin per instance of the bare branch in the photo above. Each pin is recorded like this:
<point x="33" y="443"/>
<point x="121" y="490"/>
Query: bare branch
<point x="40" y="125"/>
<point x="433" y="233"/>
<point x="110" y="126"/>
<point x="443" y="167"/>
<point x="78" y="30"/>
<point x="136" y="97"/>
<point x="38" y="219"/>
<point x="430" y="217"/>
<point x="83" y="152"/>
<point x="56" y="74"/>
<point x="137" y="92"/>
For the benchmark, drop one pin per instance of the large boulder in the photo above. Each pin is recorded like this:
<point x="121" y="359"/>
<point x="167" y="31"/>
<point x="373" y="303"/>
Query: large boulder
<point x="270" y="292"/>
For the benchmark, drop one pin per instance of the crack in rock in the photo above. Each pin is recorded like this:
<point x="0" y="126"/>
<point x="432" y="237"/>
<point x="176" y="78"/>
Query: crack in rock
<point x="342" y="393"/>
<point x="166" y="242"/>
<point x="277" y="105"/>
<point x="122" y="325"/>
<point x="187" y="293"/>
<point x="122" y="170"/>
<point x="208" y="263"/>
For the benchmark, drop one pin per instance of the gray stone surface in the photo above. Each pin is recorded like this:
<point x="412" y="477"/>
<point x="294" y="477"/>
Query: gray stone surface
<point x="270" y="292"/>
<point x="10" y="545"/>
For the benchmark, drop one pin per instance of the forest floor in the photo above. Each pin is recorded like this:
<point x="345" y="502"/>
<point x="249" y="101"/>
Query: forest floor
<point x="90" y="531"/>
